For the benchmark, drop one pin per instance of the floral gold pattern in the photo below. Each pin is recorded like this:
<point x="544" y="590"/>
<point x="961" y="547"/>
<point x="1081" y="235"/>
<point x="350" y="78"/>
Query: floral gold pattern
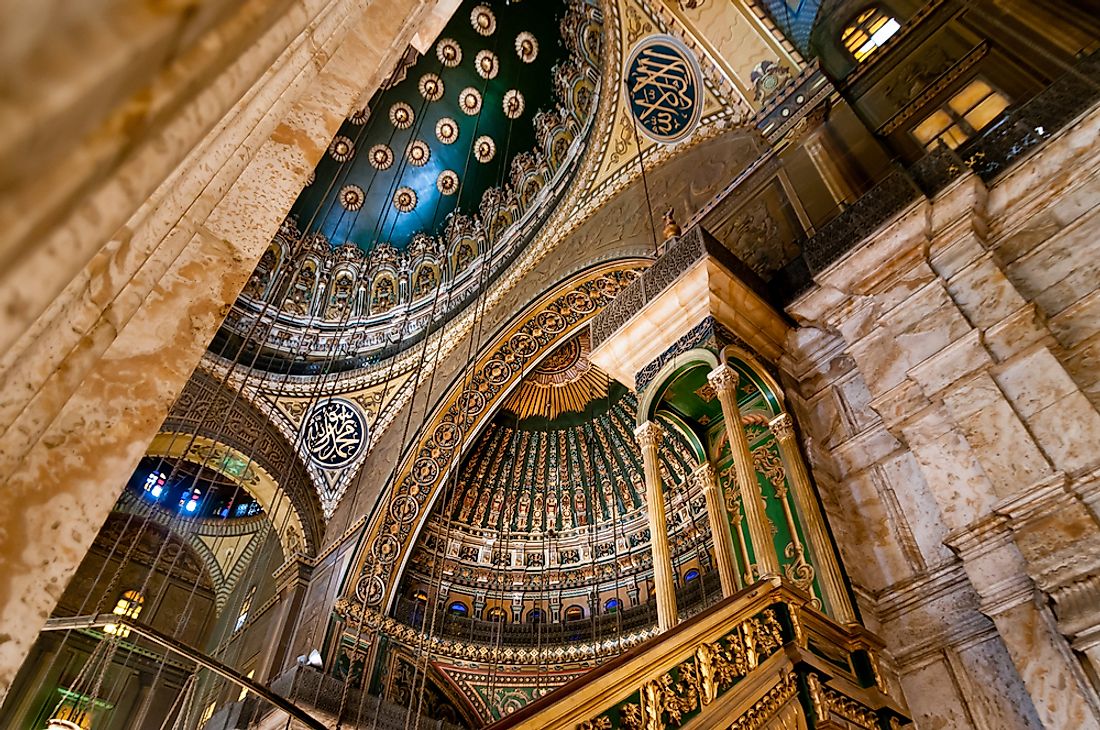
<point x="449" y="52"/>
<point x="418" y="153"/>
<point x="341" y="149"/>
<point x="381" y="156"/>
<point x="513" y="104"/>
<point x="470" y="100"/>
<point x="431" y="87"/>
<point x="527" y="47"/>
<point x="483" y="20"/>
<point x="487" y="64"/>
<point x="447" y="182"/>
<point x="351" y="197"/>
<point x="404" y="199"/>
<point x="401" y="115"/>
<point x="484" y="148"/>
<point x="446" y="130"/>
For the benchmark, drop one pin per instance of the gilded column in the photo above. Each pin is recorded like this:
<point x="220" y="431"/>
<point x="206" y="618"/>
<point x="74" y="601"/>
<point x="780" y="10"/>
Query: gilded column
<point x="719" y="528"/>
<point x="829" y="576"/>
<point x="724" y="381"/>
<point x="649" y="435"/>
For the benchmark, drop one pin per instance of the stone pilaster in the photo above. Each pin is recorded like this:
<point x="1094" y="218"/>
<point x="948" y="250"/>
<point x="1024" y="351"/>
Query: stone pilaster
<point x="719" y="529"/>
<point x="823" y="557"/>
<point x="649" y="436"/>
<point x="724" y="381"/>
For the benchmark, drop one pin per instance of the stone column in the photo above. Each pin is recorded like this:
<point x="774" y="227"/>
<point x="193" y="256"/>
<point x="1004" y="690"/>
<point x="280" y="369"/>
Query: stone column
<point x="823" y="557"/>
<point x="724" y="381"/>
<point x="719" y="529"/>
<point x="648" y="435"/>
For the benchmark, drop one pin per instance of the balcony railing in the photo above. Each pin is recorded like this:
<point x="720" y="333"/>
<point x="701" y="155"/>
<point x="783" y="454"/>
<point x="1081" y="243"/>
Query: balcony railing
<point x="761" y="658"/>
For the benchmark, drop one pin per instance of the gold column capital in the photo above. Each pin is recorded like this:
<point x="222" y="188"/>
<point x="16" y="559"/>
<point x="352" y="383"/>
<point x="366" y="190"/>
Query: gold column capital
<point x="705" y="476"/>
<point x="782" y="426"/>
<point x="723" y="377"/>
<point x="649" y="434"/>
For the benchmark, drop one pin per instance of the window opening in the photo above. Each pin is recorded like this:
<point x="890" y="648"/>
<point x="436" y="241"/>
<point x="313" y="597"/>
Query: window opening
<point x="962" y="116"/>
<point x="868" y="32"/>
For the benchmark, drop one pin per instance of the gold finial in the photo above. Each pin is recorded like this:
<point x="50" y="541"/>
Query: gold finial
<point x="672" y="228"/>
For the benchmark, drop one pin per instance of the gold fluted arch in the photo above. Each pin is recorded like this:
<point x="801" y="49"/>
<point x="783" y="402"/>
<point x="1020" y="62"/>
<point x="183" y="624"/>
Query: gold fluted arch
<point x="408" y="499"/>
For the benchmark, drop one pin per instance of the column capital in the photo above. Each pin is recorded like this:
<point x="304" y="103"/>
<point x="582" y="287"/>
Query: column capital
<point x="649" y="434"/>
<point x="723" y="377"/>
<point x="782" y="426"/>
<point x="704" y="475"/>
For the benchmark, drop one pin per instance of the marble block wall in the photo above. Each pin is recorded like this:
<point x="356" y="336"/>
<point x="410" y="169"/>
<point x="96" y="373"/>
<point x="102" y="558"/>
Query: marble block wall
<point x="111" y="287"/>
<point x="946" y="373"/>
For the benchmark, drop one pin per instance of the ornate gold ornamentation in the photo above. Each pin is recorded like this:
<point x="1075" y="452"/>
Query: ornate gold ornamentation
<point x="603" y="722"/>
<point x="766" y="707"/>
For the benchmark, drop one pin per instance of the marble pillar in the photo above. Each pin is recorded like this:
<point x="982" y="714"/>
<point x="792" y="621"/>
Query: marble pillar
<point x="724" y="381"/>
<point x="649" y="436"/>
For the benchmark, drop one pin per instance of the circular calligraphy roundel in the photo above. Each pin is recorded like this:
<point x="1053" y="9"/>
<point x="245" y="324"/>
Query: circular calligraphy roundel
<point x="663" y="85"/>
<point x="334" y="433"/>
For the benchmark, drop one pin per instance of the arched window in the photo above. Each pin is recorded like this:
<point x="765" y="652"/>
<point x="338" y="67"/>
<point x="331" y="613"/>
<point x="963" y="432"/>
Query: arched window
<point x="613" y="605"/>
<point x="870" y="29"/>
<point x="497" y="615"/>
<point x="691" y="575"/>
<point x="458" y="608"/>
<point x="536" y="616"/>
<point x="574" y="613"/>
<point x="129" y="604"/>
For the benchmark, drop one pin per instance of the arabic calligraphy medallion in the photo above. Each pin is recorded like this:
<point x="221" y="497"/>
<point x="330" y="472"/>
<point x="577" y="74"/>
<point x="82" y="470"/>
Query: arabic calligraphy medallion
<point x="663" y="86"/>
<point x="334" y="433"/>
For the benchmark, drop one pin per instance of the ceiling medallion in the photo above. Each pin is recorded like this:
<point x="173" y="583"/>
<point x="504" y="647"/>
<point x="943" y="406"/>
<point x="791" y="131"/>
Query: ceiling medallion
<point x="483" y="20"/>
<point x="484" y="148"/>
<point x="431" y="87"/>
<point x="401" y="114"/>
<point x="418" y="153"/>
<point x="487" y="64"/>
<point x="449" y="52"/>
<point x="360" y="116"/>
<point x="341" y="149"/>
<point x="404" y="199"/>
<point x="447" y="182"/>
<point x="351" y="197"/>
<point x="527" y="47"/>
<point x="446" y="130"/>
<point x="470" y="100"/>
<point x="381" y="156"/>
<point x="513" y="104"/>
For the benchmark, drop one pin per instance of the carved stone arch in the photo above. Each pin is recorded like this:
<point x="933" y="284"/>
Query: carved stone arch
<point x="217" y="417"/>
<point x="464" y="411"/>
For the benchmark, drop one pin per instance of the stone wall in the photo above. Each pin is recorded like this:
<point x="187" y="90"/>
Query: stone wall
<point x="185" y="144"/>
<point x="946" y="378"/>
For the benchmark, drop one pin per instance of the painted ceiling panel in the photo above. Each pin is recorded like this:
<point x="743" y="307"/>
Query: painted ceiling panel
<point x="463" y="80"/>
